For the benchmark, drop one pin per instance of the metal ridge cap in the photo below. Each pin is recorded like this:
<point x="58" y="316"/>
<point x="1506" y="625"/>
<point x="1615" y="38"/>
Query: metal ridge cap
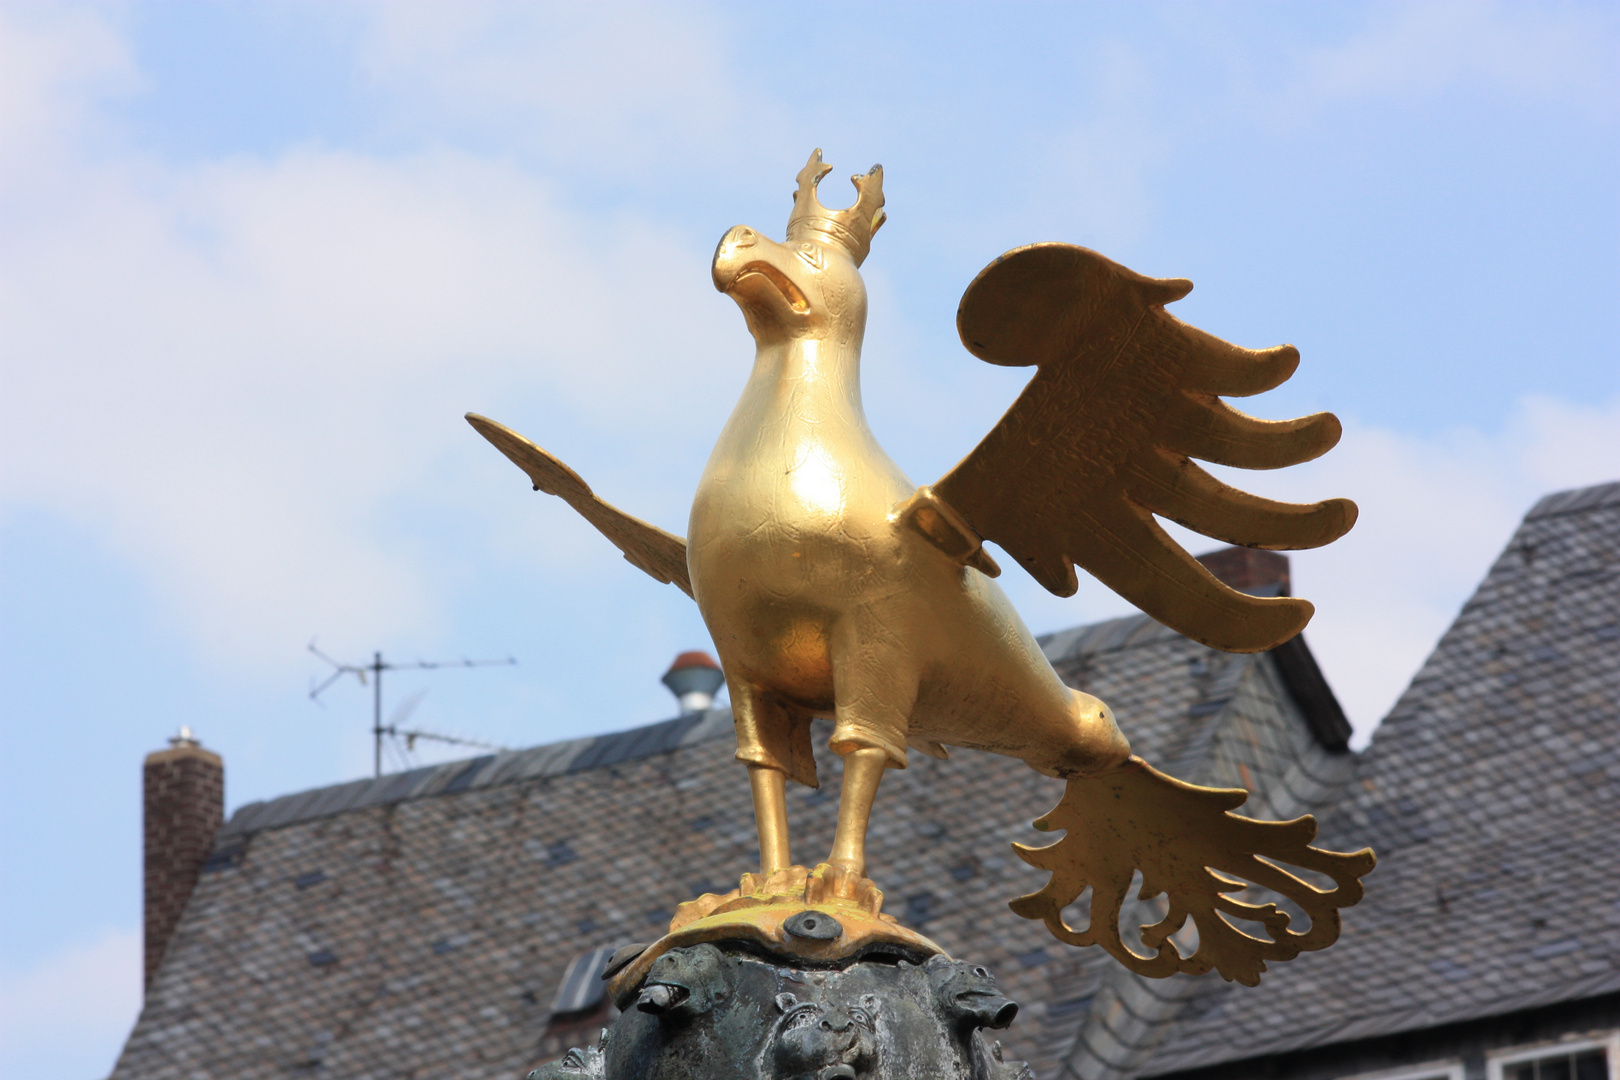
<point x="1575" y="500"/>
<point x="1104" y="635"/>
<point x="484" y="770"/>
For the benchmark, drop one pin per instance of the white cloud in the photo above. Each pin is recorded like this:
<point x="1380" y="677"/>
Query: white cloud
<point x="1435" y="512"/>
<point x="67" y="1017"/>
<point x="54" y="62"/>
<point x="630" y="87"/>
<point x="232" y="369"/>
<point x="237" y="370"/>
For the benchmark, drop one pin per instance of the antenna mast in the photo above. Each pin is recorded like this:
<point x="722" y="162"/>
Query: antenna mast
<point x="377" y="666"/>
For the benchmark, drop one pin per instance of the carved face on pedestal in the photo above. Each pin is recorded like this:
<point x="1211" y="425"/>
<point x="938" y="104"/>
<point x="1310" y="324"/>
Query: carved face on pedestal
<point x="816" y="1040"/>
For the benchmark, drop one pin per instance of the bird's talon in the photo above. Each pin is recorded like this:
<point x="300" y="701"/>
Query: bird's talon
<point x="831" y="881"/>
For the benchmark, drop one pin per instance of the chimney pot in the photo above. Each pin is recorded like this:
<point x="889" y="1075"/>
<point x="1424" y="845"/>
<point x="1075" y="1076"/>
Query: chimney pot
<point x="182" y="807"/>
<point x="694" y="678"/>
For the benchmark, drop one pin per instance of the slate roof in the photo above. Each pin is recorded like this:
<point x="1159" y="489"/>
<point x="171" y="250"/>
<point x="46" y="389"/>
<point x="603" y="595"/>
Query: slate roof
<point x="1492" y="795"/>
<point x="418" y="925"/>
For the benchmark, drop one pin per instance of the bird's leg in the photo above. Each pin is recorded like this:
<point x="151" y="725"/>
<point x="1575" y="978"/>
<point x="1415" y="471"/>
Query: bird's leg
<point x="875" y="681"/>
<point x="774" y="748"/>
<point x="770" y="817"/>
<point x="863" y="771"/>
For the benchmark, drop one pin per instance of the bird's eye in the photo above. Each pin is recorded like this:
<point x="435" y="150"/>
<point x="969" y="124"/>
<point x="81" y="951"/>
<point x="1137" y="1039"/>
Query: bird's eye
<point x="811" y="254"/>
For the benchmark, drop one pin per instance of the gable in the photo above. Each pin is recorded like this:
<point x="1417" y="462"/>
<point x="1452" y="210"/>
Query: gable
<point x="1491" y="794"/>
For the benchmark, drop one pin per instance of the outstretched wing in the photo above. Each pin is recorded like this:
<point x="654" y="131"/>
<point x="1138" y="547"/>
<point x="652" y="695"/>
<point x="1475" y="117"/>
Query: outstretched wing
<point x="1100" y="441"/>
<point x="646" y="547"/>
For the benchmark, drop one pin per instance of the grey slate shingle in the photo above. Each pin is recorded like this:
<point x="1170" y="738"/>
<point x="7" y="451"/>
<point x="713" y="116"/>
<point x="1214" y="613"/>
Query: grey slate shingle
<point x="1492" y="794"/>
<point x="450" y="912"/>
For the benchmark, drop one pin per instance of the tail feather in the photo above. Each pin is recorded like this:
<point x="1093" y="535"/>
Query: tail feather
<point x="1185" y="841"/>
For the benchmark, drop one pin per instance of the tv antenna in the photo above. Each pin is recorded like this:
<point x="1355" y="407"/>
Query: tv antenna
<point x="377" y="666"/>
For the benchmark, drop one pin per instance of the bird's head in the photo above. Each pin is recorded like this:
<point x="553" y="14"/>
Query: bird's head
<point x="810" y="286"/>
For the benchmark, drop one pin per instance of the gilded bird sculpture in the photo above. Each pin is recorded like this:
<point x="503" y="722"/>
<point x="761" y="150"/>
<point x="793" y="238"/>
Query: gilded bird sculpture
<point x="834" y="587"/>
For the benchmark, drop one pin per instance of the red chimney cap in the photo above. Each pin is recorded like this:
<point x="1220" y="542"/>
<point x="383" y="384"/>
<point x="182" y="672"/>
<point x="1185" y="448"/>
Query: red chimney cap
<point x="695" y="658"/>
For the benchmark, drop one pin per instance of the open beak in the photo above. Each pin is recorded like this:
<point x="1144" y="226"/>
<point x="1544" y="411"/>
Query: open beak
<point x="772" y="277"/>
<point x="744" y="267"/>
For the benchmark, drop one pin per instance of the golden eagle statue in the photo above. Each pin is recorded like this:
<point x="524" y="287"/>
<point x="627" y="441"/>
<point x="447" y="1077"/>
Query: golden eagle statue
<point x="835" y="587"/>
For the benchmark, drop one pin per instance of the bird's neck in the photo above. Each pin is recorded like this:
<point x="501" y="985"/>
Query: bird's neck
<point x="797" y="448"/>
<point x="806" y="382"/>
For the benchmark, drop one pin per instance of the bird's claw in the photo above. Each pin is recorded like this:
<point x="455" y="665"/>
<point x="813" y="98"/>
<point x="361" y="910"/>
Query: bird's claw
<point x="830" y="882"/>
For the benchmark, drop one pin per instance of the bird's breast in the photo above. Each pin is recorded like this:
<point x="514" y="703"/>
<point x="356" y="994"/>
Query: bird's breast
<point x="787" y="537"/>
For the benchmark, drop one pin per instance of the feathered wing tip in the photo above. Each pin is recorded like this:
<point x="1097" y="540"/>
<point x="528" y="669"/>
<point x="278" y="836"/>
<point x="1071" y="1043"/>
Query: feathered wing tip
<point x="545" y="472"/>
<point x="1104" y="437"/>
<point x="1185" y="841"/>
<point x="648" y="548"/>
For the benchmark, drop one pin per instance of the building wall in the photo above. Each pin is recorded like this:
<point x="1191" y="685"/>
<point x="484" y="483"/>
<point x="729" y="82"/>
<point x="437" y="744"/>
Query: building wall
<point x="1452" y="1051"/>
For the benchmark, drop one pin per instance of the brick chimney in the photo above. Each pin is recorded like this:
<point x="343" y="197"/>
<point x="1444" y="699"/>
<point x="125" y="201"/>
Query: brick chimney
<point x="182" y="806"/>
<point x="1250" y="570"/>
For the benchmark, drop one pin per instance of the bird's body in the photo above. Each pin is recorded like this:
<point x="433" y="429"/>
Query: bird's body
<point x="822" y="601"/>
<point x="834" y="587"/>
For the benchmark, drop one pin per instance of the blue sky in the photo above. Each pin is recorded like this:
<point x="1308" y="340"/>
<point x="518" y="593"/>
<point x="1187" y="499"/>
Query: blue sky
<point x="259" y="259"/>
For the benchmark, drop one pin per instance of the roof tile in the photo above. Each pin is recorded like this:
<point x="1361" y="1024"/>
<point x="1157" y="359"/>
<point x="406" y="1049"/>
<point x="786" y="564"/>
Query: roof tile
<point x="1489" y="798"/>
<point x="458" y="895"/>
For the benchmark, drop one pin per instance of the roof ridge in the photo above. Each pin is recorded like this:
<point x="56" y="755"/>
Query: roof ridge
<point x="589" y="752"/>
<point x="548" y="759"/>
<point x="1576" y="500"/>
<point x="599" y="751"/>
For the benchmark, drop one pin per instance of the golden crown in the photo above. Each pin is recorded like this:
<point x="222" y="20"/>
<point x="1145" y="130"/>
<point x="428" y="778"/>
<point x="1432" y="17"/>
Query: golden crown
<point x="851" y="228"/>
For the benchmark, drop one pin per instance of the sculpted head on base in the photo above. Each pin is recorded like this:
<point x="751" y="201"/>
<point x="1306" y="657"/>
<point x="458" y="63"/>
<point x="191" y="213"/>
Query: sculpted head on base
<point x="735" y="1010"/>
<point x="825" y="1040"/>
